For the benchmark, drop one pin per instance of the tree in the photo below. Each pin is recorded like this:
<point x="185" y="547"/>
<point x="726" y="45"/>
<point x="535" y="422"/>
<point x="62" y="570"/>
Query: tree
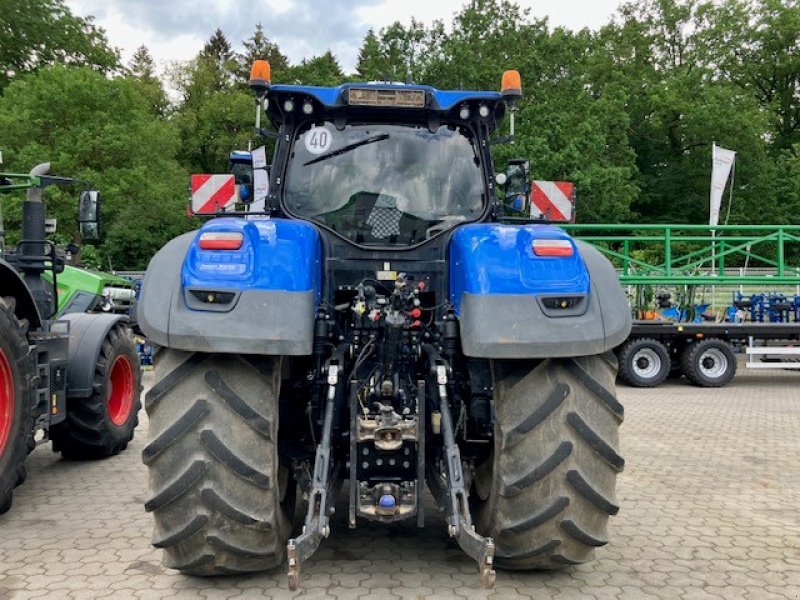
<point x="658" y="54"/>
<point x="102" y="130"/>
<point x="568" y="130"/>
<point x="142" y="69"/>
<point x="217" y="63"/>
<point x="319" y="70"/>
<point x="211" y="130"/>
<point x="754" y="44"/>
<point x="37" y="33"/>
<point x="371" y="62"/>
<point x="142" y="66"/>
<point x="258" y="47"/>
<point x="399" y="52"/>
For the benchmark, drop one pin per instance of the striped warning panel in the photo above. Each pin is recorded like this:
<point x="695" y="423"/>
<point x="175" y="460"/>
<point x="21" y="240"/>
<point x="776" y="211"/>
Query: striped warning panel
<point x="553" y="201"/>
<point x="212" y="193"/>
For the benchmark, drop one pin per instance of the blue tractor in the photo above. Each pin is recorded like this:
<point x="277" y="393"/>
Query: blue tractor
<point x="387" y="324"/>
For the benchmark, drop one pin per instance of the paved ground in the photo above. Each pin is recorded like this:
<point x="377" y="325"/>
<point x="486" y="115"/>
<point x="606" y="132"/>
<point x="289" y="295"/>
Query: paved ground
<point x="710" y="509"/>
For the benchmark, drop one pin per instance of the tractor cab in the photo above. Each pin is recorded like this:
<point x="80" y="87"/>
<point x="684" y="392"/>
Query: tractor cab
<point x="387" y="165"/>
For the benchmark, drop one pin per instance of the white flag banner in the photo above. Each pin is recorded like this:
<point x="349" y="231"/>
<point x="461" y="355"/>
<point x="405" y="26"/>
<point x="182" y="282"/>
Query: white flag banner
<point x="260" y="192"/>
<point x="259" y="156"/>
<point x="722" y="160"/>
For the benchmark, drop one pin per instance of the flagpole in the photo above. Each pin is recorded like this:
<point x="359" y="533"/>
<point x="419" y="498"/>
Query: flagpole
<point x="713" y="231"/>
<point x="730" y="195"/>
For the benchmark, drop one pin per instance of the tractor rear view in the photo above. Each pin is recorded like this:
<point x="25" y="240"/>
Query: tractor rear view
<point x="70" y="378"/>
<point x="387" y="325"/>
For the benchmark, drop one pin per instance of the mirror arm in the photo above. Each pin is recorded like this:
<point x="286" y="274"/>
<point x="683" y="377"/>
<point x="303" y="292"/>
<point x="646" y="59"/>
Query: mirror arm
<point x="267" y="133"/>
<point x="54" y="180"/>
<point x="503" y="139"/>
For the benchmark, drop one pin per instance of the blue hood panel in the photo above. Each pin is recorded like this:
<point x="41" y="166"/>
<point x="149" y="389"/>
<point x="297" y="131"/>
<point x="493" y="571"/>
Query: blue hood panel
<point x="276" y="255"/>
<point x="491" y="258"/>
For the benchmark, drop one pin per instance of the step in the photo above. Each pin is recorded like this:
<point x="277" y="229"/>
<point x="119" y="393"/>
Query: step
<point x="784" y="350"/>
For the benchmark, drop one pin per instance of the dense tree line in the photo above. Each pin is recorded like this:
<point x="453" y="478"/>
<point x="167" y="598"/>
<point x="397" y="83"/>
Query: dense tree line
<point x="628" y="112"/>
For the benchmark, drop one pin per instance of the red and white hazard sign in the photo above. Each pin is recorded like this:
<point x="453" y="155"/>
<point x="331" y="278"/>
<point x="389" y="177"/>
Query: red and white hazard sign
<point x="212" y="193"/>
<point x="553" y="201"/>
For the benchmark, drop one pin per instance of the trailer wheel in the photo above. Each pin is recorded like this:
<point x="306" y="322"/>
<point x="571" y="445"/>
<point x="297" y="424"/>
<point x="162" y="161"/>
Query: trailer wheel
<point x="221" y="499"/>
<point x="546" y="493"/>
<point x="103" y="424"/>
<point x="16" y="395"/>
<point x="644" y="362"/>
<point x="709" y="363"/>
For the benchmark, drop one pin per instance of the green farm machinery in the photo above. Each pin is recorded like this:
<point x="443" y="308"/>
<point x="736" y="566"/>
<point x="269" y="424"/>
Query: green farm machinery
<point x="66" y="375"/>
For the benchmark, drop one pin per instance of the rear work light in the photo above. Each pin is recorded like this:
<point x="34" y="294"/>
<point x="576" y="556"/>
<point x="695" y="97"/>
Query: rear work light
<point x="221" y="240"/>
<point x="559" y="248"/>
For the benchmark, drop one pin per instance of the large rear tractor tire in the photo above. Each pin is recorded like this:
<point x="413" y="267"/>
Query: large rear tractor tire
<point x="222" y="501"/>
<point x="547" y="492"/>
<point x="16" y="397"/>
<point x="102" y="424"/>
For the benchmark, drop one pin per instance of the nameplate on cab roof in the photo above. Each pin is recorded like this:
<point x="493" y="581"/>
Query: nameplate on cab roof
<point x="386" y="97"/>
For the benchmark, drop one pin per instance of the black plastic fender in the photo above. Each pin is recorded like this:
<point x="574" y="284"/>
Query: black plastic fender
<point x="86" y="335"/>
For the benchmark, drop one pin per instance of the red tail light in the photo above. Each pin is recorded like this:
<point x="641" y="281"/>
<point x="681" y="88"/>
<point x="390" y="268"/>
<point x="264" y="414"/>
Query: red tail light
<point x="559" y="248"/>
<point x="221" y="240"/>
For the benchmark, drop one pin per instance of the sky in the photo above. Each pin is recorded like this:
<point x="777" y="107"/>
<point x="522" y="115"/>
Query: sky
<point x="175" y="30"/>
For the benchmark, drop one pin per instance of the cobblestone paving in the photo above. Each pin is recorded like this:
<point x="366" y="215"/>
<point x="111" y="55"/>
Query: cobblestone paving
<point x="710" y="509"/>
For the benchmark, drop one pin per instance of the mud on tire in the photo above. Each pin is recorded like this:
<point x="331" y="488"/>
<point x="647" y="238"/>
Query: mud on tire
<point x="16" y="396"/>
<point x="222" y="503"/>
<point x="103" y="424"/>
<point x="546" y="494"/>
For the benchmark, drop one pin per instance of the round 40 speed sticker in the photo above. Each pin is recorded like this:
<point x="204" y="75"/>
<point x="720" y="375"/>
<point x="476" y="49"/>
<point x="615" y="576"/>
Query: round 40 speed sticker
<point x="318" y="139"/>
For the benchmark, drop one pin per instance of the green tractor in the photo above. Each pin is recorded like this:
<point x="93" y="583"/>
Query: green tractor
<point x="83" y="290"/>
<point x="66" y="375"/>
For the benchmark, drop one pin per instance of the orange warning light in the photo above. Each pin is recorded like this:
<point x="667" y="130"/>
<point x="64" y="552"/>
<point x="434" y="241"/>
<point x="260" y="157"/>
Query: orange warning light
<point x="511" y="86"/>
<point x="260" y="76"/>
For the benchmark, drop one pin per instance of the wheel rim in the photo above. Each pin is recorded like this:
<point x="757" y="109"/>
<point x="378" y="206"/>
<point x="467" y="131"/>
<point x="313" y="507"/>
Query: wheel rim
<point x="713" y="363"/>
<point x="6" y="401"/>
<point x="120" y="393"/>
<point x="646" y="363"/>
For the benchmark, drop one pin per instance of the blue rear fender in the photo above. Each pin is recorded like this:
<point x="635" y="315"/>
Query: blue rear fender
<point x="513" y="303"/>
<point x="259" y="298"/>
<point x="275" y="255"/>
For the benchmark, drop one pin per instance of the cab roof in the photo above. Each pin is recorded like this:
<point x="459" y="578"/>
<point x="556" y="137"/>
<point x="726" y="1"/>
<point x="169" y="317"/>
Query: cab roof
<point x="441" y="100"/>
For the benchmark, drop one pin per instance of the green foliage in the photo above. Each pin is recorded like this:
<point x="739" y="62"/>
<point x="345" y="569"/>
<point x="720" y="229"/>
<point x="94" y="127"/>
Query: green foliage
<point x="258" y="47"/>
<point x="106" y="133"/>
<point x="37" y="33"/>
<point x="210" y="130"/>
<point x="319" y="70"/>
<point x="142" y="70"/>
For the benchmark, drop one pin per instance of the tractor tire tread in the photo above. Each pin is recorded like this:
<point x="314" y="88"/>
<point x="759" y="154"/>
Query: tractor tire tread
<point x="172" y="434"/>
<point x="181" y="533"/>
<point x="238" y="405"/>
<point x="546" y="494"/>
<point x="230" y="428"/>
